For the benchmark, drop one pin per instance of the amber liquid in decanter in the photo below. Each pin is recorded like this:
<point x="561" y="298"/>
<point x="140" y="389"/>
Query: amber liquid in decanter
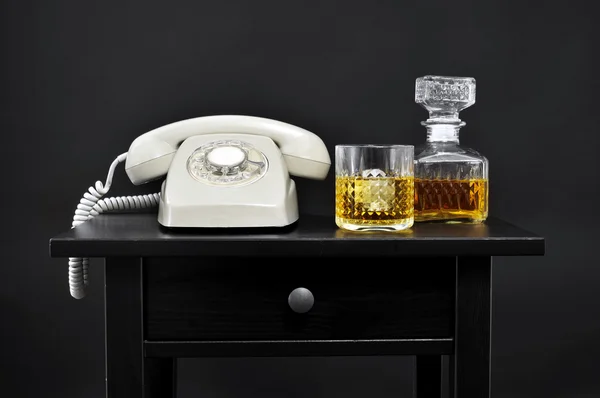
<point x="439" y="199"/>
<point x="451" y="180"/>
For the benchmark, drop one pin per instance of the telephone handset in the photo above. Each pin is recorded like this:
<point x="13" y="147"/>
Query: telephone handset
<point x="150" y="155"/>
<point x="221" y="171"/>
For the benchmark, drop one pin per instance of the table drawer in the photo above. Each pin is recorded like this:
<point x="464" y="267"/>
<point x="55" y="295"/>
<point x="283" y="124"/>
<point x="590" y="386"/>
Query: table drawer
<point x="248" y="299"/>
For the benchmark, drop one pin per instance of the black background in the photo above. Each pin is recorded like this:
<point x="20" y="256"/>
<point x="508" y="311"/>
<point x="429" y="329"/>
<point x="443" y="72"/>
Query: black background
<point x="81" y="79"/>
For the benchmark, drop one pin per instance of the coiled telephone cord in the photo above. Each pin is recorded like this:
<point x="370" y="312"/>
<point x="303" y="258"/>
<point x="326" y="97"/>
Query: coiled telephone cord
<point x="91" y="205"/>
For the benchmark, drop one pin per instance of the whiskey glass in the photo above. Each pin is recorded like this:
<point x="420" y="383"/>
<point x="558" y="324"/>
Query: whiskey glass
<point x="374" y="187"/>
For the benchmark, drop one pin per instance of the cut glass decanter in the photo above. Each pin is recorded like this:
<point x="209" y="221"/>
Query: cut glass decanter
<point x="451" y="180"/>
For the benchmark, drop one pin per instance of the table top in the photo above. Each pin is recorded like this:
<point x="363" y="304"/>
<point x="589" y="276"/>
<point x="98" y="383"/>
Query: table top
<point x="140" y="235"/>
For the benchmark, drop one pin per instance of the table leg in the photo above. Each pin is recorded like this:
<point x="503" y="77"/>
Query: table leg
<point x="451" y="376"/>
<point x="128" y="373"/>
<point x="473" y="329"/>
<point x="428" y="376"/>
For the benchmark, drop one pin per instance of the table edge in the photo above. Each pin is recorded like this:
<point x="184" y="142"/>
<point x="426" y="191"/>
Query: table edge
<point x="436" y="247"/>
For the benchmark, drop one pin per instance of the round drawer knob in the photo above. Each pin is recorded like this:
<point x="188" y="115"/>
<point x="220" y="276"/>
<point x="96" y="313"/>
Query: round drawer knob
<point x="301" y="300"/>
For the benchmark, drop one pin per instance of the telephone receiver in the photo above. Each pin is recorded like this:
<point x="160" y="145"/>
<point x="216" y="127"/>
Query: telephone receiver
<point x="221" y="171"/>
<point x="150" y="155"/>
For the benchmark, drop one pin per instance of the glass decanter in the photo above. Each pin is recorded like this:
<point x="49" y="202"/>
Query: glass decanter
<point x="451" y="181"/>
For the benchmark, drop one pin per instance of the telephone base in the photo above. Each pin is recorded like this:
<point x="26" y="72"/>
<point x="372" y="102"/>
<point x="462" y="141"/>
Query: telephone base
<point x="222" y="231"/>
<point x="269" y="200"/>
<point x="232" y="216"/>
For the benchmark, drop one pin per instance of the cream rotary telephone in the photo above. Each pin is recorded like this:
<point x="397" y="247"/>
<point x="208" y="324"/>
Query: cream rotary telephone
<point x="221" y="171"/>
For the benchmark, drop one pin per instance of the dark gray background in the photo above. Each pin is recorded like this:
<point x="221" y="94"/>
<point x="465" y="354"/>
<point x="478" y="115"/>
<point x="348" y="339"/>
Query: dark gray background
<point x="81" y="79"/>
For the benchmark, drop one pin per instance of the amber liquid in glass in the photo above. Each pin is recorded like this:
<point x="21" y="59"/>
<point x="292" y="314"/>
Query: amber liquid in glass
<point x="374" y="201"/>
<point x="451" y="200"/>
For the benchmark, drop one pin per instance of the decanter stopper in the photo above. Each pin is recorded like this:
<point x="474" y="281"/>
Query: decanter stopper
<point x="444" y="97"/>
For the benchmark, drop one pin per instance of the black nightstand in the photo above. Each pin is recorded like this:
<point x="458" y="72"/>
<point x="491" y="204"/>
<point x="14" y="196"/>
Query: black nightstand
<point x="307" y="290"/>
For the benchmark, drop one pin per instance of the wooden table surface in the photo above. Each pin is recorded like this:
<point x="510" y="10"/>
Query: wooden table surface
<point x="141" y="235"/>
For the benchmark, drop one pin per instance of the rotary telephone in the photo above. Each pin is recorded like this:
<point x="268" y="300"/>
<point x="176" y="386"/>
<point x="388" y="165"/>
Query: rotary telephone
<point x="221" y="171"/>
